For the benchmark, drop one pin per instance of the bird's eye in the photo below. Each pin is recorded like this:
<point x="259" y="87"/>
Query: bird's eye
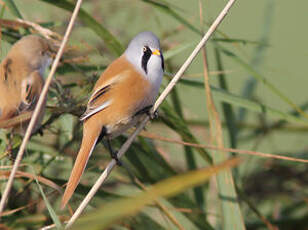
<point x="144" y="49"/>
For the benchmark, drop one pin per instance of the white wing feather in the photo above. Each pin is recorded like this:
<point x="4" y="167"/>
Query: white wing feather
<point x="96" y="110"/>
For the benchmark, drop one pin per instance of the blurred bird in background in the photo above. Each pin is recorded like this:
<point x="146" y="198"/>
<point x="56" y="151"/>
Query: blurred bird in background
<point x="21" y="80"/>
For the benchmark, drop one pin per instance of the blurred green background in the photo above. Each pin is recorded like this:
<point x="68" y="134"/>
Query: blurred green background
<point x="266" y="37"/>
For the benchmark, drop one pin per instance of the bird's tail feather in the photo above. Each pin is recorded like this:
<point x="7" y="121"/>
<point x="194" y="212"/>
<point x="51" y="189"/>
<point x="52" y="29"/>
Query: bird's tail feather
<point x="90" y="137"/>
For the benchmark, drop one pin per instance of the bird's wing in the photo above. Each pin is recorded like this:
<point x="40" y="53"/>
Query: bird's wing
<point x="101" y="98"/>
<point x="31" y="88"/>
<point x="6" y="68"/>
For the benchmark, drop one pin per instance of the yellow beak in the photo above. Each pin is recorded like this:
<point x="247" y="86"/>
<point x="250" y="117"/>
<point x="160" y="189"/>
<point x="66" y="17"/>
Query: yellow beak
<point x="156" y="52"/>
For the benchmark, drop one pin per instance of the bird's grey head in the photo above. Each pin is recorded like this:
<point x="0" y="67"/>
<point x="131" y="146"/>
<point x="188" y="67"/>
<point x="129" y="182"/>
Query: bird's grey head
<point x="145" y="54"/>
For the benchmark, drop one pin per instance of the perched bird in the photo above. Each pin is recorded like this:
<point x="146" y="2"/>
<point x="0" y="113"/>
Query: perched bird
<point x="125" y="90"/>
<point x="21" y="79"/>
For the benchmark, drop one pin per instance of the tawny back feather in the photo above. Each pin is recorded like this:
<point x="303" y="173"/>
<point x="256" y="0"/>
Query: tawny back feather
<point x="128" y="92"/>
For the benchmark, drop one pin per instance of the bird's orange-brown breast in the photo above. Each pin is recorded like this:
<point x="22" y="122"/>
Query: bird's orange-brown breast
<point x="128" y="89"/>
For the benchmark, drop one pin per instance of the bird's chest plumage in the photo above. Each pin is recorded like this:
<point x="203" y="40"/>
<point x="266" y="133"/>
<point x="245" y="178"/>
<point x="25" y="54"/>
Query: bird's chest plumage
<point x="132" y="95"/>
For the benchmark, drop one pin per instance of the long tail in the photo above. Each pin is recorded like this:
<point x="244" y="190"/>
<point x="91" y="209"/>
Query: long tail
<point x="90" y="135"/>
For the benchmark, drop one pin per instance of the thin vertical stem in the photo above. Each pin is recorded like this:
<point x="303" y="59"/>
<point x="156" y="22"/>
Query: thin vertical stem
<point x="38" y="107"/>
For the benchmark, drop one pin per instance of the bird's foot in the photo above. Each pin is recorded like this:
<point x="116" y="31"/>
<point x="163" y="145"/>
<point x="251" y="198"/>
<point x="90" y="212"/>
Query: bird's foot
<point x="40" y="131"/>
<point x="153" y="115"/>
<point x="114" y="155"/>
<point x="147" y="111"/>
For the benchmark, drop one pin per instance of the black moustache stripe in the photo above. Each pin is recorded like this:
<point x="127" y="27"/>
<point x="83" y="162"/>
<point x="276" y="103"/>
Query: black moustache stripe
<point x="145" y="59"/>
<point x="162" y="61"/>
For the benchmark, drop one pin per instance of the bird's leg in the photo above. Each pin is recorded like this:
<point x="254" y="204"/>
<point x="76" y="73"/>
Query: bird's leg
<point x="147" y="111"/>
<point x="113" y="154"/>
<point x="40" y="131"/>
<point x="103" y="134"/>
<point x="107" y="144"/>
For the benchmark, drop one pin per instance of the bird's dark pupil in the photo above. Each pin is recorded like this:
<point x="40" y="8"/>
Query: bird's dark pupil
<point x="145" y="58"/>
